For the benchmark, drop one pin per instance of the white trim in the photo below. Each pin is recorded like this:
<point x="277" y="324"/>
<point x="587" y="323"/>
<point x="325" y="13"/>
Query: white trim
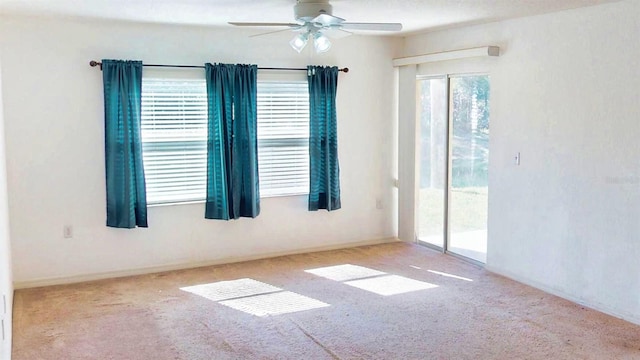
<point x="448" y="55"/>
<point x="181" y="266"/>
<point x="633" y="318"/>
<point x="407" y="157"/>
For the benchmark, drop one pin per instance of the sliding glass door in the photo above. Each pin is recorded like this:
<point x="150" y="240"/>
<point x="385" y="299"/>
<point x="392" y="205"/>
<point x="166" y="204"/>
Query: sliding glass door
<point x="453" y="113"/>
<point x="469" y="166"/>
<point x="432" y="116"/>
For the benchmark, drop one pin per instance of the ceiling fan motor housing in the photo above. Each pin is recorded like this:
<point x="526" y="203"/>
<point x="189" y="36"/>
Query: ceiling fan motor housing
<point x="307" y="10"/>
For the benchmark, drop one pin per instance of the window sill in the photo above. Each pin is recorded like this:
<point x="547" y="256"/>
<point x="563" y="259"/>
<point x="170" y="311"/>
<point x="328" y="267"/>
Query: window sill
<point x="192" y="202"/>
<point x="175" y="203"/>
<point x="283" y="195"/>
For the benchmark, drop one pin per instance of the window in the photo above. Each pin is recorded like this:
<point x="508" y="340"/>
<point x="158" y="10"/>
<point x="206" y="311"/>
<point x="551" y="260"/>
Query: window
<point x="283" y="138"/>
<point x="174" y="139"/>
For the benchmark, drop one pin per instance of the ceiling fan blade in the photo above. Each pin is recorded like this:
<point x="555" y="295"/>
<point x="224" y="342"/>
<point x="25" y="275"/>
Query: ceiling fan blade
<point x="273" y="32"/>
<point x="372" y="26"/>
<point x="326" y="20"/>
<point x="263" y="24"/>
<point x="336" y="33"/>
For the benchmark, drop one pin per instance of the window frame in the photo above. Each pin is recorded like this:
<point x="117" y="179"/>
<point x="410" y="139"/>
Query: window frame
<point x="266" y="76"/>
<point x="290" y="142"/>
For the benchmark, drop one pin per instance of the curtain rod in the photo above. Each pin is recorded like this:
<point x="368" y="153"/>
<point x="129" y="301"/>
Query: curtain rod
<point x="94" y="63"/>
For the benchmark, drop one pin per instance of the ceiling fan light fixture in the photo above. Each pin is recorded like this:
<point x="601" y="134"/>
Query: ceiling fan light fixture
<point x="321" y="43"/>
<point x="299" y="42"/>
<point x="315" y="20"/>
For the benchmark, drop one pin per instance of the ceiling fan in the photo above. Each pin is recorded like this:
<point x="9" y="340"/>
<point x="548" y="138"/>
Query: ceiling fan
<point x="315" y="20"/>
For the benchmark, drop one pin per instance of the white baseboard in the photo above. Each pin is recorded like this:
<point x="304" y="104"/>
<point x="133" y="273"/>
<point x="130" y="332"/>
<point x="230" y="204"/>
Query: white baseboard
<point x="633" y="318"/>
<point x="180" y="266"/>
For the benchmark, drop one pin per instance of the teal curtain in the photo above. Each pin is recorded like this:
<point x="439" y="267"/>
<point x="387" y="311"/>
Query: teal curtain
<point x="126" y="195"/>
<point x="232" y="158"/>
<point x="324" y="171"/>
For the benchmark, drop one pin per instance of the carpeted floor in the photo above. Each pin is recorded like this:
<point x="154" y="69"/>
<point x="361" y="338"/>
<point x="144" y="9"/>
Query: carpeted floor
<point x="391" y="301"/>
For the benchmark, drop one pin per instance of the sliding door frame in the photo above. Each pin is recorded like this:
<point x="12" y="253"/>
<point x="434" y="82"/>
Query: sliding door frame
<point x="445" y="209"/>
<point x="446" y="231"/>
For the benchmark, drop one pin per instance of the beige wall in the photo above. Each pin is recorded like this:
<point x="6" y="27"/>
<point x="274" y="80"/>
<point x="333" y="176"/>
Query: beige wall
<point x="55" y="151"/>
<point x="6" y="278"/>
<point x="565" y="95"/>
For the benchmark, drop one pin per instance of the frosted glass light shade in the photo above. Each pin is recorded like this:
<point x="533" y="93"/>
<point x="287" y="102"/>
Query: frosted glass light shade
<point x="299" y="42"/>
<point x="321" y="43"/>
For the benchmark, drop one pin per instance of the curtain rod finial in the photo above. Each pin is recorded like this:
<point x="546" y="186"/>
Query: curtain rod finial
<point x="94" y="63"/>
<point x="346" y="70"/>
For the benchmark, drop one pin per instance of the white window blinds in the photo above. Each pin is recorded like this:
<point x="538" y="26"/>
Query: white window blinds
<point x="174" y="139"/>
<point x="283" y="137"/>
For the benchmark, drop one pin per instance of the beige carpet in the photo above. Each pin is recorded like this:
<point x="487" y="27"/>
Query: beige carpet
<point x="391" y="301"/>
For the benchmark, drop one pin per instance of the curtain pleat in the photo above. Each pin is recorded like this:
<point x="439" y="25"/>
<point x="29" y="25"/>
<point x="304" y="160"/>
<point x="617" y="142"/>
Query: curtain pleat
<point x="126" y="195"/>
<point x="232" y="160"/>
<point x="324" y="170"/>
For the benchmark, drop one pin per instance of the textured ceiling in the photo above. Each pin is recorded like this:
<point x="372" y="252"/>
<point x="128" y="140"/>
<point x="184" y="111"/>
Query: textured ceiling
<point x="415" y="15"/>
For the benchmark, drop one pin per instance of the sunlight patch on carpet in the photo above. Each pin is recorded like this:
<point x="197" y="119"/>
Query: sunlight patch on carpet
<point x="449" y="275"/>
<point x="390" y="285"/>
<point x="254" y="297"/>
<point x="345" y="272"/>
<point x="225" y="290"/>
<point x="375" y="281"/>
<point x="274" y="304"/>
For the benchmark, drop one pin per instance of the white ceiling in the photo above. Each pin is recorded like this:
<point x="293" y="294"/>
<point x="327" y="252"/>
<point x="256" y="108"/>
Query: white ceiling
<point x="415" y="15"/>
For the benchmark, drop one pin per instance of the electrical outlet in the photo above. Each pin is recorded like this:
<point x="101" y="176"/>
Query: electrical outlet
<point x="67" y="231"/>
<point x="379" y="204"/>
